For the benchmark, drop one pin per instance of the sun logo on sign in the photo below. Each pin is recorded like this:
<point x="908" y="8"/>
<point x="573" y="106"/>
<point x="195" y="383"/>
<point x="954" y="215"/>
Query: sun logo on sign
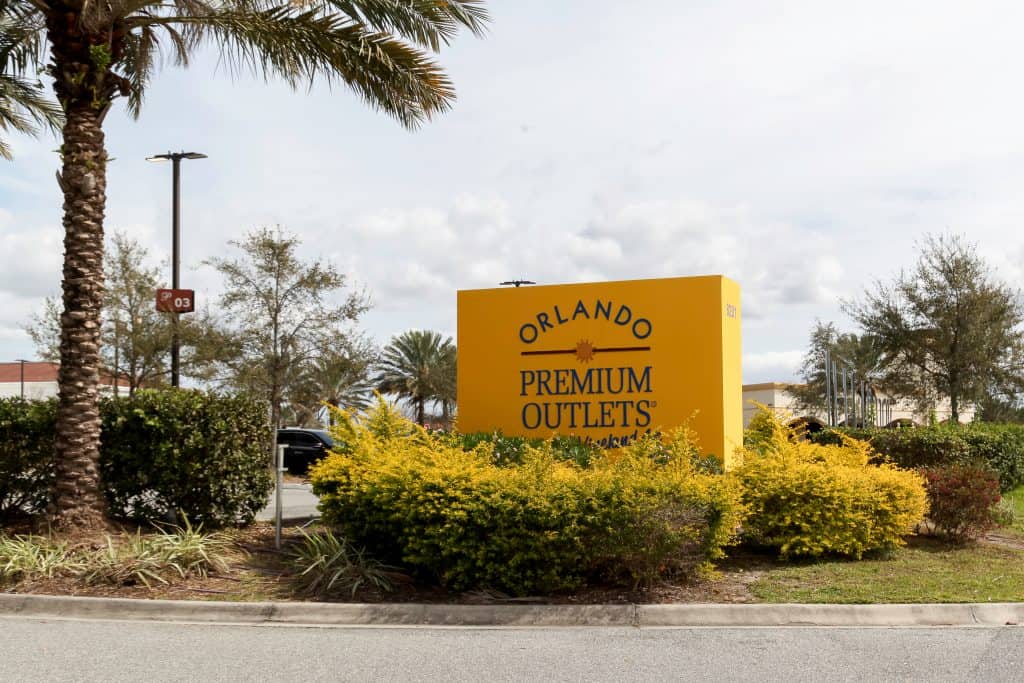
<point x="585" y="351"/>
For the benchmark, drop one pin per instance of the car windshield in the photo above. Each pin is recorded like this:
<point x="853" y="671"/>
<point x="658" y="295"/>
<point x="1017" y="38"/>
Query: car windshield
<point x="325" y="436"/>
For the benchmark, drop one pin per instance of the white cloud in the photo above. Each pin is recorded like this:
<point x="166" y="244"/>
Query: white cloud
<point x="31" y="254"/>
<point x="771" y="366"/>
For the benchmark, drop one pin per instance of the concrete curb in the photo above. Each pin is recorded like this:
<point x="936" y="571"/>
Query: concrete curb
<point x="960" y="614"/>
<point x="354" y="614"/>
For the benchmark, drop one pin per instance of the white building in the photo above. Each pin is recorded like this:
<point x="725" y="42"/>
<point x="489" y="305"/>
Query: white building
<point x="887" y="411"/>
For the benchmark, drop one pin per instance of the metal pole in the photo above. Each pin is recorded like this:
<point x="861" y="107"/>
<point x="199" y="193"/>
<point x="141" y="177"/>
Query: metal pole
<point x="277" y="496"/>
<point x="846" y="405"/>
<point x="864" y="401"/>
<point x="175" y="159"/>
<point x="22" y="378"/>
<point x="828" y="389"/>
<point x="175" y="264"/>
<point x="853" y="396"/>
<point x="832" y="392"/>
<point x="835" y="393"/>
<point x="117" y="357"/>
<point x="863" y="422"/>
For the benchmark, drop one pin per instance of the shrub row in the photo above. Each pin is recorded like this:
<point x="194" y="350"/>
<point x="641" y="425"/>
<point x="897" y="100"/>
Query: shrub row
<point x="457" y="511"/>
<point x="161" y="453"/>
<point x="454" y="516"/>
<point x="999" y="447"/>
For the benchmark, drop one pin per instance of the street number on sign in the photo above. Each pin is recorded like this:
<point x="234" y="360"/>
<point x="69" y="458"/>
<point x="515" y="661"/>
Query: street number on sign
<point x="175" y="300"/>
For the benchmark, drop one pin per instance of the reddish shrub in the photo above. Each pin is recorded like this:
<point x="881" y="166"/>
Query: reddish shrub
<point x="963" y="500"/>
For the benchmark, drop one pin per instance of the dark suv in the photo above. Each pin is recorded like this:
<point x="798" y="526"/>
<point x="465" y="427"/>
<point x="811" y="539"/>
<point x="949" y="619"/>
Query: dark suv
<point x="303" y="447"/>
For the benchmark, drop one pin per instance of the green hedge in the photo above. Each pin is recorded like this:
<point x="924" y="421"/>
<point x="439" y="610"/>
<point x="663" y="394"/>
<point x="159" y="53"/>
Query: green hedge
<point x="26" y="455"/>
<point x="161" y="453"/>
<point x="999" y="447"/>
<point x="200" y="453"/>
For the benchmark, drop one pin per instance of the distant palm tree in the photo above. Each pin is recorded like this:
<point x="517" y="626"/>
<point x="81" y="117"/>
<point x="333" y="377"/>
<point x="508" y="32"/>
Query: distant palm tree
<point x="338" y="376"/>
<point x="345" y="379"/>
<point x="445" y="390"/>
<point x="419" y="366"/>
<point x="101" y="50"/>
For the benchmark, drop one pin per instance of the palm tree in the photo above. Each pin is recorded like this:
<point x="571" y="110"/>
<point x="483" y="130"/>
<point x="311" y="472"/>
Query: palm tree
<point x="24" y="106"/>
<point x="445" y="390"/>
<point x="419" y="366"/>
<point x="338" y="375"/>
<point x="102" y="50"/>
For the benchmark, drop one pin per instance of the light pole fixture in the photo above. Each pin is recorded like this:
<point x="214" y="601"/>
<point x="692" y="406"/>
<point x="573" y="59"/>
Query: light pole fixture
<point x="175" y="158"/>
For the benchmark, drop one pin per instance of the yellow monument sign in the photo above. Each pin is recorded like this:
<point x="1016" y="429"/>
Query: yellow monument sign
<point x="607" y="361"/>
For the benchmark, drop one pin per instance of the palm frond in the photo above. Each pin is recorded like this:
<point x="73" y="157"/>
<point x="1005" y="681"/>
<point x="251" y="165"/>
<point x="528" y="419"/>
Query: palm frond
<point x="24" y="106"/>
<point x="302" y="45"/>
<point x="140" y="49"/>
<point x="22" y="38"/>
<point x="428" y="23"/>
<point x="378" y="48"/>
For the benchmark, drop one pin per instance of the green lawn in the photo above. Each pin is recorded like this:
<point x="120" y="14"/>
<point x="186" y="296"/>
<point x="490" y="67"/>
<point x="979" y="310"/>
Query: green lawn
<point x="925" y="571"/>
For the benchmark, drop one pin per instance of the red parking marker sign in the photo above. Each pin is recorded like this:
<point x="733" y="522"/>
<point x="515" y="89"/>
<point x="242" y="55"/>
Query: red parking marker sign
<point x="176" y="300"/>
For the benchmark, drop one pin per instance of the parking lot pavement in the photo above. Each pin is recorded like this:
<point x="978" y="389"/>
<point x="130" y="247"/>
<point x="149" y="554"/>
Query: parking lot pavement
<point x="298" y="502"/>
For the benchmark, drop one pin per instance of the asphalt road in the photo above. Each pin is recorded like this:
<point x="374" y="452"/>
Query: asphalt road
<point x="52" y="650"/>
<point x="297" y="502"/>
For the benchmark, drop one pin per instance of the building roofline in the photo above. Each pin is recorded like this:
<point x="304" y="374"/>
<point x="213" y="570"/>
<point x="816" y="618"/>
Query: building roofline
<point x="767" y="385"/>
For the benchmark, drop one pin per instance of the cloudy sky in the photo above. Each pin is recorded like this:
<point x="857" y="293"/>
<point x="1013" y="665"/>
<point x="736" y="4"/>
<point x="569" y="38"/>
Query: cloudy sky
<point x="801" y="148"/>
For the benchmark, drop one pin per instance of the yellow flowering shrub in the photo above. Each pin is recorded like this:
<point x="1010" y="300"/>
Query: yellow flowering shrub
<point x="454" y="516"/>
<point x="664" y="514"/>
<point x="809" y="500"/>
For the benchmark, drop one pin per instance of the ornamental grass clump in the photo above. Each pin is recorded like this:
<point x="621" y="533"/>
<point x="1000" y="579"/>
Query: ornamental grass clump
<point x="175" y="552"/>
<point x="807" y="499"/>
<point x="32" y="557"/>
<point x="171" y="553"/>
<point x="452" y="515"/>
<point x="326" y="565"/>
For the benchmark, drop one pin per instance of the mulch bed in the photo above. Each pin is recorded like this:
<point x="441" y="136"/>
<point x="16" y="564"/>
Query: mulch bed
<point x="258" y="571"/>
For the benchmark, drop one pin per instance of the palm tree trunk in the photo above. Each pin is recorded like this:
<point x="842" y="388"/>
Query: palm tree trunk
<point x="78" y="501"/>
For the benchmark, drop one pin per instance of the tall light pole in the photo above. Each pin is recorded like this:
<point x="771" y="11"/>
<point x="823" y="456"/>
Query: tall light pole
<point x="175" y="158"/>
